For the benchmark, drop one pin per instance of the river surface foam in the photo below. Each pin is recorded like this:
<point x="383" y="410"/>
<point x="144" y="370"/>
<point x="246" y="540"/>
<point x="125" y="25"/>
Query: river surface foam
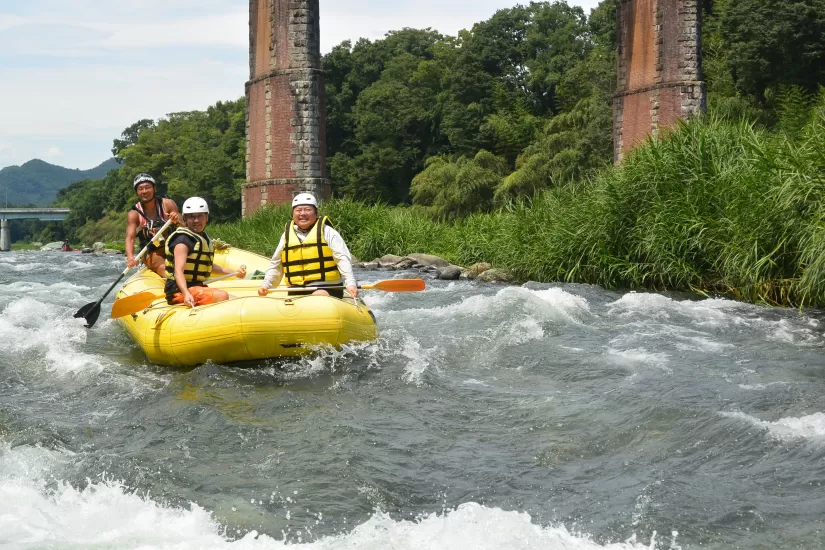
<point x="501" y="417"/>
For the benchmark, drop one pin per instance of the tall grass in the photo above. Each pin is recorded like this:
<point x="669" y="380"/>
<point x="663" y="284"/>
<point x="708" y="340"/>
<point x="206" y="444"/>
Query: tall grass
<point x="712" y="206"/>
<point x="370" y="231"/>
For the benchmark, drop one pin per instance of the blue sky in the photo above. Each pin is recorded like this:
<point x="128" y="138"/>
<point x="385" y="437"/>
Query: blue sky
<point x="75" y="73"/>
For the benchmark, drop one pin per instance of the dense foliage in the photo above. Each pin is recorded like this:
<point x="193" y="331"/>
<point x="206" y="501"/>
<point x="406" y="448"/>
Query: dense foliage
<point x="770" y="43"/>
<point x="528" y="90"/>
<point x="531" y="86"/>
<point x="197" y="153"/>
<point x="716" y="206"/>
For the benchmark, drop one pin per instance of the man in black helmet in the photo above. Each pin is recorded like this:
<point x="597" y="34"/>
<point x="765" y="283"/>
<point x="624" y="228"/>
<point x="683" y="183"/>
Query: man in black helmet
<point x="144" y="220"/>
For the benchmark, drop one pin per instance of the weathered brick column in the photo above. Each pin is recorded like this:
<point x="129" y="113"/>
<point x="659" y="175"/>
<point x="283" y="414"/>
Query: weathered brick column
<point x="285" y="108"/>
<point x="659" y="69"/>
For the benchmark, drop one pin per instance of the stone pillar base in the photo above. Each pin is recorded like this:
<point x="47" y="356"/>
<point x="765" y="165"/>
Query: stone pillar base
<point x="5" y="235"/>
<point x="256" y="194"/>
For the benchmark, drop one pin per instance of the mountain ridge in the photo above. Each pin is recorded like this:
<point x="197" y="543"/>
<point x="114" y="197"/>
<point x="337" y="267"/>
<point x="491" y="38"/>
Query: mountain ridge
<point x="37" y="181"/>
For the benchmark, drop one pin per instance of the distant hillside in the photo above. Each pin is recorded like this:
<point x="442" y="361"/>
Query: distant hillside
<point x="37" y="182"/>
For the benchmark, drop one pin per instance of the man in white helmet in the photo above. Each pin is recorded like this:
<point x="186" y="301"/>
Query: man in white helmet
<point x="189" y="255"/>
<point x="310" y="253"/>
<point x="144" y="220"/>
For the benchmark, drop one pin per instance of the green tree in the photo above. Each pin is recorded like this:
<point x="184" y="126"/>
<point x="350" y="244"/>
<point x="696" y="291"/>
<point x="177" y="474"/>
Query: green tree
<point x="196" y="153"/>
<point x="87" y="199"/>
<point x="130" y="136"/>
<point x="413" y="95"/>
<point x="392" y="126"/>
<point x="455" y="189"/>
<point x="578" y="140"/>
<point x="773" y="42"/>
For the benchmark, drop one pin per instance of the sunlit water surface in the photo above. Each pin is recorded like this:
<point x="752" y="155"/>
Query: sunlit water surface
<point x="485" y="417"/>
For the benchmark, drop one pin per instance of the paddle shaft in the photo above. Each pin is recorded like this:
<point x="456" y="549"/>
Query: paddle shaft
<point x="90" y="312"/>
<point x="222" y="277"/>
<point x="392" y="285"/>
<point x="125" y="271"/>
<point x="141" y="300"/>
<point x="146" y="248"/>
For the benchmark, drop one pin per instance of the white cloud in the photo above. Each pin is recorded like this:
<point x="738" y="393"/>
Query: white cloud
<point x="92" y="99"/>
<point x="7" y="154"/>
<point x="7" y="21"/>
<point x="227" y="29"/>
<point x="84" y="37"/>
<point x="53" y="152"/>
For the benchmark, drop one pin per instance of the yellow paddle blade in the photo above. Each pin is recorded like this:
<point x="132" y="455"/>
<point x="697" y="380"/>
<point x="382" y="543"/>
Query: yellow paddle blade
<point x="133" y="304"/>
<point x="397" y="285"/>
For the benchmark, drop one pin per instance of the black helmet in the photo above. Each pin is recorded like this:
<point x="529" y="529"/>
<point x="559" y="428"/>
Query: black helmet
<point x="143" y="177"/>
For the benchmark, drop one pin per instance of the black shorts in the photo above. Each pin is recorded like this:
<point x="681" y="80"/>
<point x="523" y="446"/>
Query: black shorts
<point x="335" y="292"/>
<point x="152" y="246"/>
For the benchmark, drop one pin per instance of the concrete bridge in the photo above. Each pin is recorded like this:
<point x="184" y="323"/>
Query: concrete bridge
<point x="7" y="214"/>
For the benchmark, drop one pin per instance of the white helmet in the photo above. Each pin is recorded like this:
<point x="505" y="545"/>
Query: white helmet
<point x="195" y="205"/>
<point x="304" y="198"/>
<point x="143" y="177"/>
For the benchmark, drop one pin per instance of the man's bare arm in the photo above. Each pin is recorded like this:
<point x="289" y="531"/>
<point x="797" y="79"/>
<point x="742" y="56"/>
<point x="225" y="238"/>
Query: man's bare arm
<point x="132" y="222"/>
<point x="171" y="208"/>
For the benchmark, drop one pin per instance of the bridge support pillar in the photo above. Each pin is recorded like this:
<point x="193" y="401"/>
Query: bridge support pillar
<point x="5" y="235"/>
<point x="285" y="106"/>
<point x="659" y="69"/>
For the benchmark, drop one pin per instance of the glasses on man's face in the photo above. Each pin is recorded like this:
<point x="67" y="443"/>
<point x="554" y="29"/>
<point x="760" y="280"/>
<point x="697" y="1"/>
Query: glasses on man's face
<point x="303" y="210"/>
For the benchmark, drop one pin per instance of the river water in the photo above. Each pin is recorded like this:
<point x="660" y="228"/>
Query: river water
<point x="485" y="417"/>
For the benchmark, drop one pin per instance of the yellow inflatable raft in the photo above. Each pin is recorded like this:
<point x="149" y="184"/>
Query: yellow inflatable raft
<point x="247" y="327"/>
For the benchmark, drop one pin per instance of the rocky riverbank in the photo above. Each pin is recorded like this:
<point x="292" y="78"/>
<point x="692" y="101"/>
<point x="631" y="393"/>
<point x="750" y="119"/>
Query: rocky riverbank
<point x="99" y="248"/>
<point x="439" y="267"/>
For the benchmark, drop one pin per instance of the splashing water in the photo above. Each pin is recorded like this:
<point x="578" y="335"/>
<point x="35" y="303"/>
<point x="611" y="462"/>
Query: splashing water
<point x="485" y="417"/>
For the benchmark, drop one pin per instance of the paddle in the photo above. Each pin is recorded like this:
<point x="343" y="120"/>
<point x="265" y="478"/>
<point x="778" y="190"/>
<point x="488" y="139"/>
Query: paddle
<point x="141" y="300"/>
<point x="90" y="312"/>
<point x="390" y="285"/>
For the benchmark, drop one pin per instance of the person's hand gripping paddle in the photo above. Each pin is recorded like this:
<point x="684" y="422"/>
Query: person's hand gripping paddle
<point x="90" y="312"/>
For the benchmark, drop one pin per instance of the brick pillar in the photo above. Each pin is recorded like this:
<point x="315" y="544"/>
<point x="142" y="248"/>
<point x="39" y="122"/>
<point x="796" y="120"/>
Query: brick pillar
<point x="285" y="105"/>
<point x="659" y="69"/>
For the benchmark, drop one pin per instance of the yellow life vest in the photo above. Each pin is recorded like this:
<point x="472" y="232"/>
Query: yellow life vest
<point x="311" y="260"/>
<point x="199" y="261"/>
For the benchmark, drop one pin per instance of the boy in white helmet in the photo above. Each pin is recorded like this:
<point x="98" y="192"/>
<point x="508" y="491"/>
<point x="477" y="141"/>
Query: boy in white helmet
<point x="310" y="253"/>
<point x="144" y="220"/>
<point x="189" y="255"/>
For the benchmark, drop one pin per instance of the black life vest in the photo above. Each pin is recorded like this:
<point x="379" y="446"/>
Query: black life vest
<point x="149" y="225"/>
<point x="198" y="266"/>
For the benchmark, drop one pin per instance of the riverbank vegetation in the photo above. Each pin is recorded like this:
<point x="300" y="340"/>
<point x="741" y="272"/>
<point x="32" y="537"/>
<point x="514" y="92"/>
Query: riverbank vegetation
<point x="715" y="206"/>
<point x="496" y="145"/>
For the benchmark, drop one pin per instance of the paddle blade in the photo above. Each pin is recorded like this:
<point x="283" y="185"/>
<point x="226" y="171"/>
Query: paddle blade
<point x="398" y="285"/>
<point x="90" y="312"/>
<point x="133" y="304"/>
